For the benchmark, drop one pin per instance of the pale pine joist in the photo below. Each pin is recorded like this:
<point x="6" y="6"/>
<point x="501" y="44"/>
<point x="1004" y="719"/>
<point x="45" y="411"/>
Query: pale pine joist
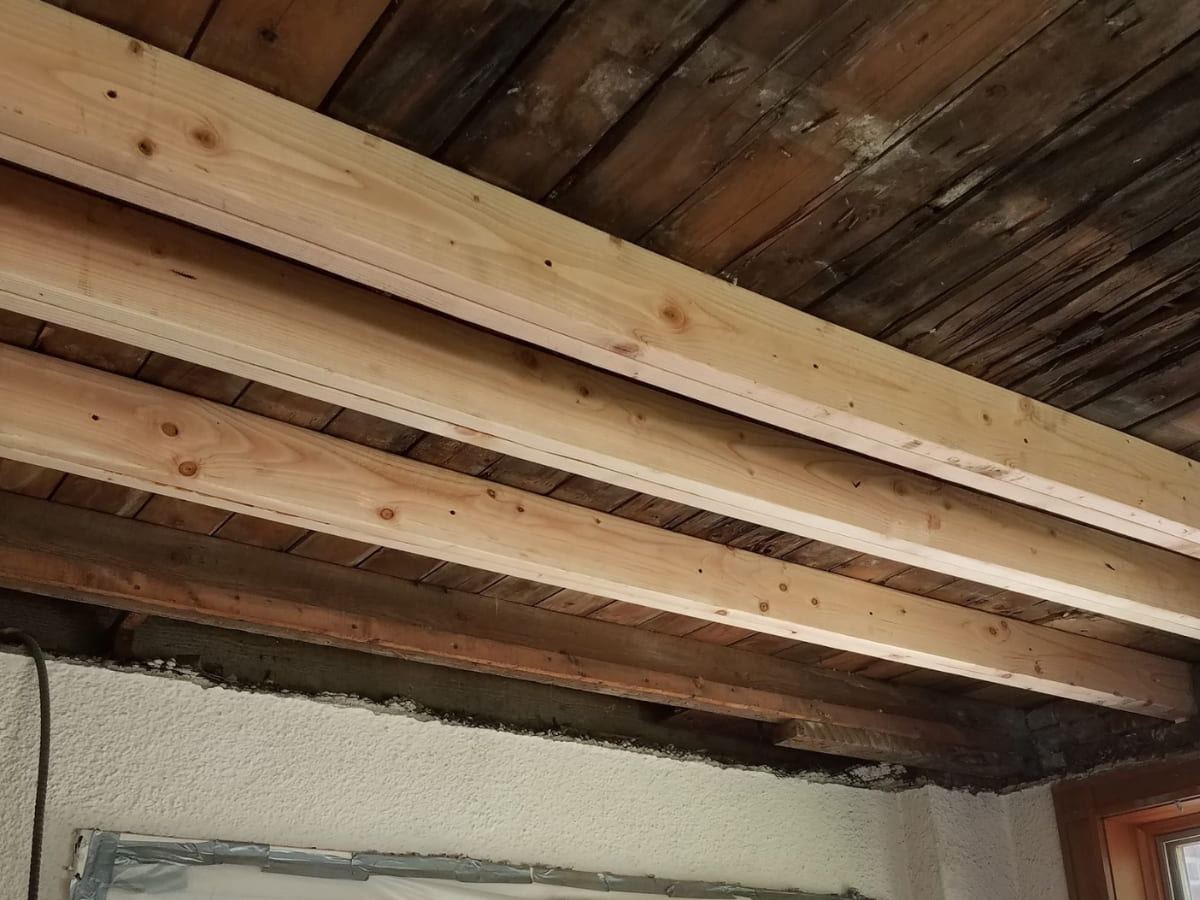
<point x="54" y="550"/>
<point x="69" y="417"/>
<point x="91" y="106"/>
<point x="84" y="261"/>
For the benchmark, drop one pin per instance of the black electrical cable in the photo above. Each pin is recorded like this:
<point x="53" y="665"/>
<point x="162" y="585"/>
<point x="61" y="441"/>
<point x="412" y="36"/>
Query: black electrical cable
<point x="39" y="802"/>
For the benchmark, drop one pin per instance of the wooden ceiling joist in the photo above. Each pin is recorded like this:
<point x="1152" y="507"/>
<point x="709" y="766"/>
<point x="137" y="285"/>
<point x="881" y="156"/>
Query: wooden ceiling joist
<point x="88" y="105"/>
<point x="54" y="550"/>
<point x="103" y="426"/>
<point x="78" y="260"/>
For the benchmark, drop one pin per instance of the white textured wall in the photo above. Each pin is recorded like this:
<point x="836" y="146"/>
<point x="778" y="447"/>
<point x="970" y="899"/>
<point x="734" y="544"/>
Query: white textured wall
<point x="145" y="753"/>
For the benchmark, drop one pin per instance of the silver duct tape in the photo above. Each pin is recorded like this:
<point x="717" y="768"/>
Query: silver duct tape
<point x="97" y="875"/>
<point x="132" y="851"/>
<point x="452" y="868"/>
<point x="314" y="864"/>
<point x="111" y="857"/>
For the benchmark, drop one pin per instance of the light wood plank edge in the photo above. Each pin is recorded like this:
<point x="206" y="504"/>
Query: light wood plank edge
<point x="171" y="135"/>
<point x="812" y="735"/>
<point x="68" y="417"/>
<point x="82" y="261"/>
<point x="75" y="554"/>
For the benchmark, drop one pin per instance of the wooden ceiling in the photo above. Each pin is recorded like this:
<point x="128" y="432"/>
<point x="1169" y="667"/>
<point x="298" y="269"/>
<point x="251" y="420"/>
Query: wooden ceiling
<point x="1007" y="188"/>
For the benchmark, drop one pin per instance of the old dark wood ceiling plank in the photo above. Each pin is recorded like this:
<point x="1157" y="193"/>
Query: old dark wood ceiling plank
<point x="258" y="532"/>
<point x="673" y="623"/>
<point x="332" y="549"/>
<point x="587" y="71"/>
<point x="101" y="496"/>
<point x="191" y="378"/>
<point x="468" y="579"/>
<point x="399" y="564"/>
<point x="621" y="613"/>
<point x="1118" y="349"/>
<point x="600" y="495"/>
<point x="873" y="89"/>
<point x="575" y="603"/>
<point x="287" y="406"/>
<point x="182" y="515"/>
<point x="704" y="109"/>
<point x="293" y="48"/>
<point x="431" y="63"/>
<point x="451" y="454"/>
<point x="1084" y="217"/>
<point x="372" y="431"/>
<point x="769" y="644"/>
<point x="1099" y="335"/>
<point x="1177" y="428"/>
<point x="90" y="350"/>
<point x="170" y="25"/>
<point x="720" y="633"/>
<point x="993" y="125"/>
<point x="1162" y="385"/>
<point x="526" y="475"/>
<point x="27" y="479"/>
<point x="19" y="330"/>
<point x="520" y="590"/>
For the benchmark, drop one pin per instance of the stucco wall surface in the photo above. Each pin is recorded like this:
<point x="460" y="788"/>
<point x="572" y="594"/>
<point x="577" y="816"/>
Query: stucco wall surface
<point x="159" y="755"/>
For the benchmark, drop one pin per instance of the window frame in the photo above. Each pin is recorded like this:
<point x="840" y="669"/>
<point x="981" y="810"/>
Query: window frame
<point x="1109" y="826"/>
<point x="1166" y="846"/>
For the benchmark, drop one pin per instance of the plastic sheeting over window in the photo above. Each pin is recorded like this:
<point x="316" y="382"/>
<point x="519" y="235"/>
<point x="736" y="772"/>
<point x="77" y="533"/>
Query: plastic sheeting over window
<point x="113" y="866"/>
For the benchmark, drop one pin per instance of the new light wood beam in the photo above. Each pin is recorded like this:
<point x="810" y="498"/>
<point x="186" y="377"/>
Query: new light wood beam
<point x="80" y="420"/>
<point x="83" y="261"/>
<point x="54" y="550"/>
<point x="88" y="105"/>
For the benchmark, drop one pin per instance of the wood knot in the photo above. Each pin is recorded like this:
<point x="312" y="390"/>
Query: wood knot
<point x="187" y="468"/>
<point x="205" y="137"/>
<point x="764" y="606"/>
<point x="136" y="48"/>
<point x="626" y="348"/>
<point x="146" y="147"/>
<point x="673" y="315"/>
<point x="268" y="35"/>
<point x="814" y="601"/>
<point x="170" y="429"/>
<point x="387" y="513"/>
<point x="783" y="586"/>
